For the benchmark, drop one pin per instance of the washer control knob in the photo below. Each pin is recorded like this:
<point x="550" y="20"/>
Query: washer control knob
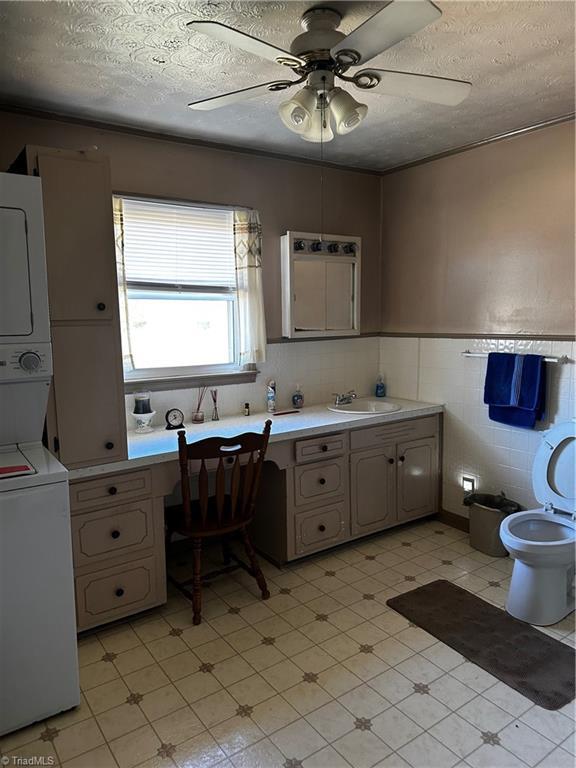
<point x="29" y="361"/>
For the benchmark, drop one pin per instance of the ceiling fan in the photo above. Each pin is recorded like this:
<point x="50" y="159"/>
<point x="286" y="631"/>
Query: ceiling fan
<point x="322" y="54"/>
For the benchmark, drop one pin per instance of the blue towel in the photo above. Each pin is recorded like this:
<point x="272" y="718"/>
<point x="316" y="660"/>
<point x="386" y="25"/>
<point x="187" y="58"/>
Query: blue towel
<point x="515" y="388"/>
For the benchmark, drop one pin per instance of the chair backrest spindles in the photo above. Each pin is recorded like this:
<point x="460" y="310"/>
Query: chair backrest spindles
<point x="238" y="505"/>
<point x="235" y="487"/>
<point x="203" y="495"/>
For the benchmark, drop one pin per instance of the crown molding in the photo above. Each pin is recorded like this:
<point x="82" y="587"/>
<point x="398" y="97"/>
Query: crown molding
<point x="482" y="142"/>
<point x="222" y="147"/>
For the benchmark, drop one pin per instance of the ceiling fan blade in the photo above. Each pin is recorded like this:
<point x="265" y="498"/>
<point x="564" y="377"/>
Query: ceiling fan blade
<point x="394" y="22"/>
<point x="215" y="102"/>
<point x="438" y="90"/>
<point x="246" y="42"/>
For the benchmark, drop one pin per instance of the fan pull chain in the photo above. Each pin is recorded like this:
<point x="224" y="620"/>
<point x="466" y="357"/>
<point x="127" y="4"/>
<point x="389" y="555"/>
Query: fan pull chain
<point x="322" y="128"/>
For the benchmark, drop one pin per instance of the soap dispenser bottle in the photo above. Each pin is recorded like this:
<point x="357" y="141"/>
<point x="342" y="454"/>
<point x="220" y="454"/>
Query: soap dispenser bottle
<point x="380" y="387"/>
<point x="298" y="398"/>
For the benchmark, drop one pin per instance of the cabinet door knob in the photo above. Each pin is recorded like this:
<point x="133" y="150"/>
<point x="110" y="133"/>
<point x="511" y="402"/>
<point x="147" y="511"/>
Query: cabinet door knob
<point x="324" y="448"/>
<point x="115" y="534"/>
<point x="321" y="528"/>
<point x="322" y="480"/>
<point x="402" y="459"/>
<point x="119" y="592"/>
<point x="109" y="445"/>
<point x="112" y="490"/>
<point x="100" y="306"/>
<point x="390" y="461"/>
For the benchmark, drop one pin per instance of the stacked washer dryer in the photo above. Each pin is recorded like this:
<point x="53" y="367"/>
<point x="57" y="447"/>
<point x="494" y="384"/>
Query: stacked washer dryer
<point x="38" y="655"/>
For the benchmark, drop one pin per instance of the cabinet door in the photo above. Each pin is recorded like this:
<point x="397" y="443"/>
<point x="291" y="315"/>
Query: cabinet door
<point x="91" y="418"/>
<point x="309" y="295"/>
<point x="373" y="490"/>
<point x="417" y="478"/>
<point x="339" y="296"/>
<point x="79" y="233"/>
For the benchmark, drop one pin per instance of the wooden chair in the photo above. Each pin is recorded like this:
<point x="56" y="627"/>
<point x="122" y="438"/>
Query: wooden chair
<point x="228" y="510"/>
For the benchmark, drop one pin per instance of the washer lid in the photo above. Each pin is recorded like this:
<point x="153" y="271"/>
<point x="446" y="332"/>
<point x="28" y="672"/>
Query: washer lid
<point x="553" y="472"/>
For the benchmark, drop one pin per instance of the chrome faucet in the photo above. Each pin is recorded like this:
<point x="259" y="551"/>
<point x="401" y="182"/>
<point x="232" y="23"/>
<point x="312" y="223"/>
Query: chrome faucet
<point x="344" y="399"/>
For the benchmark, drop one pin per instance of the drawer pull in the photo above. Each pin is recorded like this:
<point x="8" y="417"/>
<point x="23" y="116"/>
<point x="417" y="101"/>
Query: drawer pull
<point x="109" y="445"/>
<point x="390" y="461"/>
<point x="324" y="448"/>
<point x="321" y="527"/>
<point x="119" y="592"/>
<point x="100" y="306"/>
<point x="322" y="480"/>
<point x="112" y="490"/>
<point x="115" y="534"/>
<point x="402" y="459"/>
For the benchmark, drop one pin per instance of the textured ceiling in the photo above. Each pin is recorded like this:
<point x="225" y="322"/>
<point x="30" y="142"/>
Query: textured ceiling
<point x="134" y="63"/>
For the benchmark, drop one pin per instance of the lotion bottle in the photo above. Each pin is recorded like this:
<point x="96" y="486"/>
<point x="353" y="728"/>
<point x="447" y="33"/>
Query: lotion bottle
<point x="271" y="396"/>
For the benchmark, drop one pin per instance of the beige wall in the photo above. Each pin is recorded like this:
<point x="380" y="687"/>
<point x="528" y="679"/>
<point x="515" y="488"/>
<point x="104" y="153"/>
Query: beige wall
<point x="285" y="192"/>
<point x="482" y="242"/>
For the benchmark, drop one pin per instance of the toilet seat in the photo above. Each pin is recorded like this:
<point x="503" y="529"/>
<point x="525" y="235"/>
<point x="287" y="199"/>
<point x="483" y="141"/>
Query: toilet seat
<point x="528" y="532"/>
<point x="553" y="478"/>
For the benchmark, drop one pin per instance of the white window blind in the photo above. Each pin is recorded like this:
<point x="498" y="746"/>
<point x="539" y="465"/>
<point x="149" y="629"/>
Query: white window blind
<point x="172" y="244"/>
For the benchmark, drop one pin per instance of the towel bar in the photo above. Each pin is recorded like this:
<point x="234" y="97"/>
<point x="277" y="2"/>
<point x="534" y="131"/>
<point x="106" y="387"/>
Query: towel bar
<point x="549" y="359"/>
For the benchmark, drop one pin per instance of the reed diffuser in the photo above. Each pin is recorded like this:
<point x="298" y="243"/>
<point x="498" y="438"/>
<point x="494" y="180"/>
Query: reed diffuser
<point x="198" y="415"/>
<point x="214" y="396"/>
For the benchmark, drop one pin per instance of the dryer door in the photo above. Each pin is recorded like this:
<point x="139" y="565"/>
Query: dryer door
<point x="15" y="300"/>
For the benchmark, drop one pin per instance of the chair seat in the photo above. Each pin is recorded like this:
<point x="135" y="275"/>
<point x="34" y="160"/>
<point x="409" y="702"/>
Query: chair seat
<point x="198" y="529"/>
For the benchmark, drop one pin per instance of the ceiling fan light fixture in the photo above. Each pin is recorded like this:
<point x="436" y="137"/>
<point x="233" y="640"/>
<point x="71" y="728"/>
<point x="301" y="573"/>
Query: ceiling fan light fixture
<point x="297" y="112"/>
<point x="348" y="113"/>
<point x="320" y="130"/>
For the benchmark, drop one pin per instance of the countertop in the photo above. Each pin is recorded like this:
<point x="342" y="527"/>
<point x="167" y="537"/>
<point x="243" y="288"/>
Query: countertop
<point x="161" y="445"/>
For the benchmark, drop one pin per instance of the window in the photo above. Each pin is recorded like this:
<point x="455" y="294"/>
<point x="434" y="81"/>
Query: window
<point x="178" y="289"/>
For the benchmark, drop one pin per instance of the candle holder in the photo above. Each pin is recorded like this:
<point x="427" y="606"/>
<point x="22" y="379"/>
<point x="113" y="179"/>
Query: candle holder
<point x="143" y="422"/>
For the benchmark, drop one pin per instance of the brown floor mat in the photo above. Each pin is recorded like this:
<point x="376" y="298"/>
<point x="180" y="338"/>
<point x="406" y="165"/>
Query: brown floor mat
<point x="534" y="664"/>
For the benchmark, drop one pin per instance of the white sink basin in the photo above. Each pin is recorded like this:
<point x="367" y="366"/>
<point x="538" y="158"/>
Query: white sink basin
<point x="366" y="405"/>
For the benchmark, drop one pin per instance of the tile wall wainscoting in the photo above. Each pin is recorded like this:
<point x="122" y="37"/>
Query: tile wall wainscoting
<point x="496" y="456"/>
<point x="429" y="369"/>
<point x="319" y="367"/>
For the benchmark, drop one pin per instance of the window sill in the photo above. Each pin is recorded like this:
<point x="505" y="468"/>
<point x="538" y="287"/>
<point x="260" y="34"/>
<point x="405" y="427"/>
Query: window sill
<point x="189" y="382"/>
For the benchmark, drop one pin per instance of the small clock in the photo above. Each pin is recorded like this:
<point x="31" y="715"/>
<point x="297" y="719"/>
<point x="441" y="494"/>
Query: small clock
<point x="174" y="419"/>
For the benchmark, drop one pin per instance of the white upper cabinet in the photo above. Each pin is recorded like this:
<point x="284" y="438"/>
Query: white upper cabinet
<point x="320" y="285"/>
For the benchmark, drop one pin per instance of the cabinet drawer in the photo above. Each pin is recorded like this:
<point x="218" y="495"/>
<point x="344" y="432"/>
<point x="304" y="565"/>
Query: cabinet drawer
<point x="320" y="447"/>
<point x="109" y="491"/>
<point x="320" y="528"/>
<point x="113" y="531"/>
<point x="111" y="593"/>
<point x="409" y="429"/>
<point x="319" y="481"/>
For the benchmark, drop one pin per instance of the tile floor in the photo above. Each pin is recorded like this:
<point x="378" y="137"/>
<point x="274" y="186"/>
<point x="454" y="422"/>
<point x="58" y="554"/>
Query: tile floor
<point x="322" y="675"/>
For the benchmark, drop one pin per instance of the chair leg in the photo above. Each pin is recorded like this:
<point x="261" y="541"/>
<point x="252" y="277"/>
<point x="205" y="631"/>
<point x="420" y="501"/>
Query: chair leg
<point x="258" y="575"/>
<point x="197" y="582"/>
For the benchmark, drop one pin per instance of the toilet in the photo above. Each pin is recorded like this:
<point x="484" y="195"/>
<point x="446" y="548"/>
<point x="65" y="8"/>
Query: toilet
<point x="541" y="541"/>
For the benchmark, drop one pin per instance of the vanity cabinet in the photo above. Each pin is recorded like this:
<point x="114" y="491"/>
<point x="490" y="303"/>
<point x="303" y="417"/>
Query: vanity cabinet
<point x="398" y="481"/>
<point x="372" y="478"/>
<point x="85" y="423"/>
<point x="373" y="490"/>
<point x="417" y="478"/>
<point x="118" y="547"/>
